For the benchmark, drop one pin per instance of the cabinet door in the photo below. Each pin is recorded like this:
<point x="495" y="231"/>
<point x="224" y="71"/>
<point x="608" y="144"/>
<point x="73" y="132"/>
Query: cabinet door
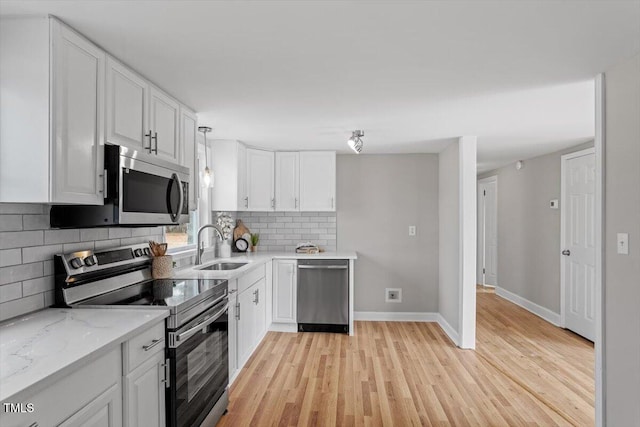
<point x="188" y="126"/>
<point x="127" y="107"/>
<point x="164" y="116"/>
<point x="77" y="119"/>
<point x="259" y="311"/>
<point x="317" y="181"/>
<point x="260" y="180"/>
<point x="103" y="411"/>
<point x="243" y="198"/>
<point x="246" y="325"/>
<point x="284" y="291"/>
<point x="287" y="181"/>
<point x="145" y="394"/>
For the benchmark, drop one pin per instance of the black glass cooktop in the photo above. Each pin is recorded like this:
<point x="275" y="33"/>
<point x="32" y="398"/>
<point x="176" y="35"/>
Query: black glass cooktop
<point x="162" y="292"/>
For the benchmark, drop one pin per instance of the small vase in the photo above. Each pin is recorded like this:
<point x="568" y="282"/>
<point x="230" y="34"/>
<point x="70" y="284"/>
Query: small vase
<point x="254" y="248"/>
<point x="162" y="267"/>
<point x="225" y="249"/>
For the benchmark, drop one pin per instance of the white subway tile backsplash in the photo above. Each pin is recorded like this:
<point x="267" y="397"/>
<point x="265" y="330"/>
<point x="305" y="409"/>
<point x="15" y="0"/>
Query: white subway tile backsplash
<point x="10" y="292"/>
<point x="36" y="286"/>
<point x="88" y="234"/>
<point x="36" y="222"/>
<point x="17" y="273"/>
<point x="27" y="247"/>
<point x="11" y="223"/>
<point x="40" y="253"/>
<point x="10" y="257"/>
<point x="21" y="208"/>
<point x="61" y="236"/>
<point x="21" y="306"/>
<point x="21" y="239"/>
<point x="282" y="231"/>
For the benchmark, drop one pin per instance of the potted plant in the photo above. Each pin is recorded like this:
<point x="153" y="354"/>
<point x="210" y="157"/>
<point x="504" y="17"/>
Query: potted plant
<point x="255" y="238"/>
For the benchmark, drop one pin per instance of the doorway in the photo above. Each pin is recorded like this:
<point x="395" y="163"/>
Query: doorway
<point x="487" y="274"/>
<point x="578" y="243"/>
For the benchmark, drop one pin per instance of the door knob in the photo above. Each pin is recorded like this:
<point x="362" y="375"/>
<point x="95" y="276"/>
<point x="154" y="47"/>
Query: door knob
<point x="566" y="252"/>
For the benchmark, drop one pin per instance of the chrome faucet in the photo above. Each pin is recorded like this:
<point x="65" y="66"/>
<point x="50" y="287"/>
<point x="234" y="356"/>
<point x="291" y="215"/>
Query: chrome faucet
<point x="200" y="249"/>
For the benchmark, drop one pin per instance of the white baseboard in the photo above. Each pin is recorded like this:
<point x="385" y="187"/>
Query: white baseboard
<point x="284" y="327"/>
<point x="395" y="316"/>
<point x="538" y="310"/>
<point x="448" y="329"/>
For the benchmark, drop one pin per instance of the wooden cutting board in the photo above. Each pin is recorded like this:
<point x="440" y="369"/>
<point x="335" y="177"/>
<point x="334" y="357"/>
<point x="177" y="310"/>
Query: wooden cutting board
<point x="239" y="230"/>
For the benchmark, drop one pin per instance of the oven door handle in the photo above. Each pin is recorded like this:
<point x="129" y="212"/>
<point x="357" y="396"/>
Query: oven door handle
<point x="186" y="334"/>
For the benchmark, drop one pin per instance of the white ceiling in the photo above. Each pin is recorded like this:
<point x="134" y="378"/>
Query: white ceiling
<point x="414" y="75"/>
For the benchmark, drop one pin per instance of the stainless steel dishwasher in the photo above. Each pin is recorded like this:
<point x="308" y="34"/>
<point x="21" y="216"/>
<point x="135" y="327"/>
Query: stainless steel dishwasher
<point x="323" y="295"/>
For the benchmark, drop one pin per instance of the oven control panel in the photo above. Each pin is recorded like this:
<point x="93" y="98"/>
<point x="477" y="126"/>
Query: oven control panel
<point x="87" y="261"/>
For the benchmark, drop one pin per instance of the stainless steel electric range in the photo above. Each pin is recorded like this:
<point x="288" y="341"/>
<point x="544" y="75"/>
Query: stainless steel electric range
<point x="196" y="329"/>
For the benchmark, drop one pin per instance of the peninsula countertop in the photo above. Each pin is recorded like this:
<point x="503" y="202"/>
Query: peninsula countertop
<point x="41" y="347"/>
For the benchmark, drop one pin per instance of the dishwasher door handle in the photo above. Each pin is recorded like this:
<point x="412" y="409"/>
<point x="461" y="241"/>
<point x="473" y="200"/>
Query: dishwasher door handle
<point x="323" y="267"/>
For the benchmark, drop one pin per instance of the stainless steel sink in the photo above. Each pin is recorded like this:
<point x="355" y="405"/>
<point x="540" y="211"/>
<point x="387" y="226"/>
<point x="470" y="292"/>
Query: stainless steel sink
<point x="224" y="266"/>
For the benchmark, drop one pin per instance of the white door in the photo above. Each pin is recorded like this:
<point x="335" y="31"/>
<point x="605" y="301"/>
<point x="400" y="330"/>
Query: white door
<point x="317" y="181"/>
<point x="260" y="311"/>
<point x="145" y="394"/>
<point x="246" y="324"/>
<point x="164" y="116"/>
<point x="243" y="198"/>
<point x="260" y="189"/>
<point x="284" y="291"/>
<point x="578" y="242"/>
<point x="78" y="119"/>
<point x="488" y="231"/>
<point x="287" y="181"/>
<point x="127" y="107"/>
<point x="188" y="126"/>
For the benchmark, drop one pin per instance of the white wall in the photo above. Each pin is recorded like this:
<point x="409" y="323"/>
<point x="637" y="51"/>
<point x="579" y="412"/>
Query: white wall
<point x="622" y="272"/>
<point x="379" y="197"/>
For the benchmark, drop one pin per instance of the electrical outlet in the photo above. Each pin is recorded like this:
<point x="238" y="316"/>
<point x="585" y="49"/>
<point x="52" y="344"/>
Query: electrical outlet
<point x="412" y="230"/>
<point x="393" y="295"/>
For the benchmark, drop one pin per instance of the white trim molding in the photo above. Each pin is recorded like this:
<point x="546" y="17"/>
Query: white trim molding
<point x="395" y="316"/>
<point x="538" y="310"/>
<point x="448" y="329"/>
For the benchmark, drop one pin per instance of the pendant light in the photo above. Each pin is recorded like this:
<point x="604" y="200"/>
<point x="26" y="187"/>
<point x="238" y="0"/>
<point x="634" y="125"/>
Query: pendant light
<point x="207" y="175"/>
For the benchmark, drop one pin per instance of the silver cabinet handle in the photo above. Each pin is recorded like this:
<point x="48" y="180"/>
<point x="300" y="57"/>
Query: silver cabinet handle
<point x="246" y="202"/>
<point x="332" y="203"/>
<point x="151" y="345"/>
<point x="295" y="203"/>
<point x="155" y="137"/>
<point x="255" y="296"/>
<point x="323" y="267"/>
<point x="35" y="424"/>
<point x="238" y="311"/>
<point x="566" y="252"/>
<point x="148" y="135"/>
<point x="273" y="203"/>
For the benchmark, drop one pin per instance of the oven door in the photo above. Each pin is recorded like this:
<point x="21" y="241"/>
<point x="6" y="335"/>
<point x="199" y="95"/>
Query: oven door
<point x="199" y="362"/>
<point x="152" y="193"/>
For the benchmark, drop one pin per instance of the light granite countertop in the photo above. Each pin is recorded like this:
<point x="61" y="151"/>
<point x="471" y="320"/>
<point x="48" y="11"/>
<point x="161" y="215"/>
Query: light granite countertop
<point x="39" y="348"/>
<point x="253" y="259"/>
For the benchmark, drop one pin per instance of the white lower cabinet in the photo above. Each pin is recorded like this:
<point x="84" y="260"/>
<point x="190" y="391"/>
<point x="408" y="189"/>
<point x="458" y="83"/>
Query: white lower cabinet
<point x="284" y="291"/>
<point x="145" y="393"/>
<point x="103" y="411"/>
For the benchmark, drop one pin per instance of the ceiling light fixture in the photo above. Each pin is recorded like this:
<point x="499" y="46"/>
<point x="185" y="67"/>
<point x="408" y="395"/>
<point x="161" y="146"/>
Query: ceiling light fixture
<point x="207" y="176"/>
<point x="355" y="142"/>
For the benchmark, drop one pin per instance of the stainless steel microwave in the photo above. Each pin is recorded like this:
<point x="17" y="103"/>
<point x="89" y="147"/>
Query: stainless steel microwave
<point x="140" y="190"/>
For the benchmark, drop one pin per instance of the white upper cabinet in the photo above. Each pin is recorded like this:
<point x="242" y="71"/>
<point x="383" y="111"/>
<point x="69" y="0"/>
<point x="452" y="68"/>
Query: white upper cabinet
<point x="317" y="181"/>
<point x="127" y="107"/>
<point x="164" y="113"/>
<point x="52" y="114"/>
<point x="228" y="159"/>
<point x="287" y="181"/>
<point x="260" y="185"/>
<point x="188" y="131"/>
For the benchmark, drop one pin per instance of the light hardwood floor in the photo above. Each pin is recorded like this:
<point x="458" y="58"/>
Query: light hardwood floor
<point x="524" y="372"/>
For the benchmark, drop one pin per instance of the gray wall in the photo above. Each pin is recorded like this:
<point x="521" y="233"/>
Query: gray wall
<point x="27" y="246"/>
<point x="449" y="230"/>
<point x="379" y="197"/>
<point x="622" y="280"/>
<point x="528" y="230"/>
<point x="282" y="231"/>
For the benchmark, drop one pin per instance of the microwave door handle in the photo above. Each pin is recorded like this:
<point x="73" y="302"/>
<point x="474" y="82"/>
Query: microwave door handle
<point x="176" y="216"/>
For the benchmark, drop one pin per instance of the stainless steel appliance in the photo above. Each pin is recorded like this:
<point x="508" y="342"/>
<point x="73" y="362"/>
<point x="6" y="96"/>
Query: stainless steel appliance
<point x="197" y="327"/>
<point x="323" y="295"/>
<point x="139" y="189"/>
